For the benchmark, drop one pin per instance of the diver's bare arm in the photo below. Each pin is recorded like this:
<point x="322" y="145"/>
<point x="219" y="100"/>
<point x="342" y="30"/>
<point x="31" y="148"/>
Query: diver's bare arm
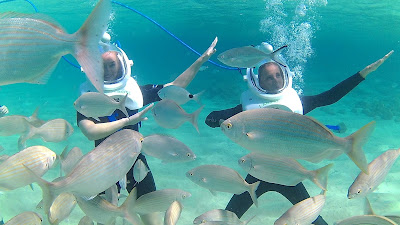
<point x="187" y="76"/>
<point x="371" y="68"/>
<point x="97" y="131"/>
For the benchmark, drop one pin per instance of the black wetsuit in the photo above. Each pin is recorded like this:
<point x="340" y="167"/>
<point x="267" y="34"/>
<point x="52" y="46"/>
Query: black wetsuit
<point x="150" y="95"/>
<point x="239" y="204"/>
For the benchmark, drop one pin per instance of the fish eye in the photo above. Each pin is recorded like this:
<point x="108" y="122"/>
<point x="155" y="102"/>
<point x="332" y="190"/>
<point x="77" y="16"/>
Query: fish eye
<point x="141" y="140"/>
<point x="190" y="96"/>
<point x="188" y="154"/>
<point x="359" y="191"/>
<point x="183" y="196"/>
<point x="190" y="173"/>
<point x="242" y="160"/>
<point x="229" y="125"/>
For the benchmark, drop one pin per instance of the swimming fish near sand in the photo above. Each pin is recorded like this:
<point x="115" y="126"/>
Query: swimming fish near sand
<point x="37" y="42"/>
<point x="179" y="94"/>
<point x="278" y="132"/>
<point x="248" y="56"/>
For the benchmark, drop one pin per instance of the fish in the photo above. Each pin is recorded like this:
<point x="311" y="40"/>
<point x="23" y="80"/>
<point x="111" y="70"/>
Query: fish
<point x="18" y="124"/>
<point x="55" y="130"/>
<point x="222" y="178"/>
<point x="69" y="159"/>
<point x="27" y="217"/>
<point x="24" y="36"/>
<point x="179" y="94"/>
<point x="282" y="170"/>
<point x="304" y="212"/>
<point x="167" y="148"/>
<point x="85" y="221"/>
<point x="140" y="170"/>
<point x="156" y="201"/>
<point x="98" y="170"/>
<point x="12" y="171"/>
<point x="220" y="215"/>
<point x="95" y="105"/>
<point x="61" y="207"/>
<point x="278" y="132"/>
<point x="248" y="56"/>
<point x="366" y="219"/>
<point x="169" y="114"/>
<point x="378" y="169"/>
<point x="173" y="213"/>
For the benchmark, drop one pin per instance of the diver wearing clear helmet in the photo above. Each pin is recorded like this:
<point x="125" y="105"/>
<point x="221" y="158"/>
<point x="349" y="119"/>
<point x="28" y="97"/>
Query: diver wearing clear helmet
<point x="272" y="87"/>
<point x="117" y="83"/>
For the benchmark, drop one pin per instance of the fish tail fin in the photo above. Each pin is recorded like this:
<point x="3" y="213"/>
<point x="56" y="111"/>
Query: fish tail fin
<point x="48" y="196"/>
<point x="357" y="140"/>
<point x="121" y="105"/>
<point x="197" y="97"/>
<point x="195" y="117"/>
<point x="31" y="131"/>
<point x="34" y="115"/>
<point x="252" y="191"/>
<point x="275" y="55"/>
<point x="128" y="207"/>
<point x="86" y="50"/>
<point x="321" y="176"/>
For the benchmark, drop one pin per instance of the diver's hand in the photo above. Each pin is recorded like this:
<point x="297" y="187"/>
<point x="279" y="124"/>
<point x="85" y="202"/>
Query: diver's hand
<point x="140" y="116"/>
<point x="210" y="51"/>
<point x="3" y="110"/>
<point x="371" y="68"/>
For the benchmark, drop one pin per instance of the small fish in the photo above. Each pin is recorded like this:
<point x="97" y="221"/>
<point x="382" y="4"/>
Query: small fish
<point x="221" y="178"/>
<point x="85" y="221"/>
<point x="97" y="170"/>
<point x="304" y="212"/>
<point x="282" y="170"/>
<point x="95" y="105"/>
<point x="220" y="215"/>
<point x="28" y="217"/>
<point x="12" y="172"/>
<point x="61" y="207"/>
<point x="178" y="94"/>
<point x="170" y="115"/>
<point x="366" y="219"/>
<point x="378" y="169"/>
<point x="18" y="124"/>
<point x="167" y="148"/>
<point x="268" y="130"/>
<point x="173" y="213"/>
<point x="25" y="35"/>
<point x="140" y="170"/>
<point x="70" y="159"/>
<point x="248" y="56"/>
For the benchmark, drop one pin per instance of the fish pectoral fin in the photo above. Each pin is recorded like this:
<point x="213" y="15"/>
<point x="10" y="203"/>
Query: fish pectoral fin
<point x="44" y="75"/>
<point x="252" y="135"/>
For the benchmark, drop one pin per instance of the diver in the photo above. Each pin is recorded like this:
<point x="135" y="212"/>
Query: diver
<point x="270" y="85"/>
<point x="3" y="110"/>
<point x="117" y="83"/>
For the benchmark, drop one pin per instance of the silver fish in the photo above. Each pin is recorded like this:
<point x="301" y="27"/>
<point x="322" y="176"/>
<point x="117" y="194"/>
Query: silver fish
<point x="173" y="213"/>
<point x="248" y="56"/>
<point x="378" y="169"/>
<point x="70" y="159"/>
<point x="366" y="219"/>
<point x="95" y="105"/>
<point x="85" y="221"/>
<point x="140" y="170"/>
<point x="12" y="172"/>
<point x="278" y="132"/>
<point x="170" y="115"/>
<point x="282" y="170"/>
<point x="222" y="178"/>
<point x="61" y="207"/>
<point x="167" y="148"/>
<point x="304" y="212"/>
<point x="97" y="170"/>
<point x="18" y="124"/>
<point x="220" y="215"/>
<point x="24" y="35"/>
<point x="28" y="217"/>
<point x="178" y="94"/>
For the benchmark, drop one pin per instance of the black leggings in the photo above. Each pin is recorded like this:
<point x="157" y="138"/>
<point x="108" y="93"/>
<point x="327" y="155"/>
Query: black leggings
<point x="239" y="204"/>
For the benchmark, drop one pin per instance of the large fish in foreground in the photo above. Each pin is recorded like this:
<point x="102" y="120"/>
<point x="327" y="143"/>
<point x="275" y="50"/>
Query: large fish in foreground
<point x="32" y="44"/>
<point x="277" y="132"/>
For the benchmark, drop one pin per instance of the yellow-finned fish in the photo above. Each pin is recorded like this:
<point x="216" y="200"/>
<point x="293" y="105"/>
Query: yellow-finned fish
<point x="37" y="42"/>
<point x="12" y="172"/>
<point x="28" y="217"/>
<point x="378" y="169"/>
<point x="278" y="132"/>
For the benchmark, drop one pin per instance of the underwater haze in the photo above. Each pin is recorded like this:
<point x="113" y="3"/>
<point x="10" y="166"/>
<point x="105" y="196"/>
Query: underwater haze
<point x="328" y="41"/>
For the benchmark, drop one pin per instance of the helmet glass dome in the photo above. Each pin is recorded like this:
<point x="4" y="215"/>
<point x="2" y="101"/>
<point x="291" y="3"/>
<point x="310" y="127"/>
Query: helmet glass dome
<point x="115" y="62"/>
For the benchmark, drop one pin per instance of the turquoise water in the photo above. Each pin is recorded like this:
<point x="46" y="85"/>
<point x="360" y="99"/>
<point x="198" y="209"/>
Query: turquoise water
<point x="328" y="41"/>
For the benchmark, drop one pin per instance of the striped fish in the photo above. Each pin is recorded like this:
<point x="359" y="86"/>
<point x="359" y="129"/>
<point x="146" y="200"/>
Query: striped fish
<point x="222" y="178"/>
<point x="97" y="170"/>
<point x="282" y="170"/>
<point x="18" y="124"/>
<point x="12" y="172"/>
<point x="69" y="159"/>
<point x="278" y="132"/>
<point x="86" y="221"/>
<point x="61" y="207"/>
<point x="220" y="215"/>
<point x="366" y="219"/>
<point x="378" y="169"/>
<point x="304" y="212"/>
<point x="28" y="217"/>
<point x="173" y="213"/>
<point x="37" y="42"/>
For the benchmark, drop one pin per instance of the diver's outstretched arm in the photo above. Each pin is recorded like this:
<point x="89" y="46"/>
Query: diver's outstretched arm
<point x="187" y="76"/>
<point x="371" y="68"/>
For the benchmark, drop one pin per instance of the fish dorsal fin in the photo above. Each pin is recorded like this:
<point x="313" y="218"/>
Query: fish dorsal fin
<point x="35" y="16"/>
